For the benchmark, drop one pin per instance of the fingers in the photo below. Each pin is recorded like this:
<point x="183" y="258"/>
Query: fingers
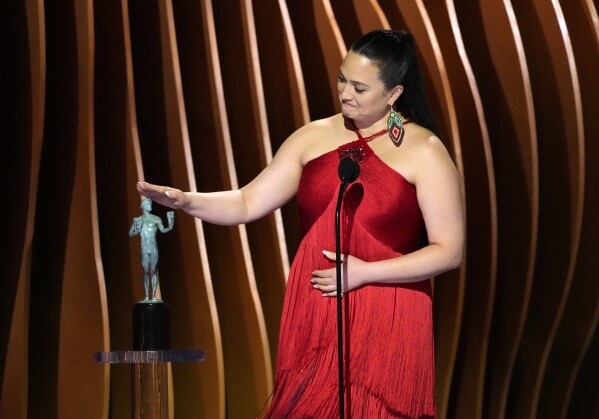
<point x="325" y="288"/>
<point x="148" y="190"/>
<point x="165" y="195"/>
<point x="324" y="280"/>
<point x="331" y="255"/>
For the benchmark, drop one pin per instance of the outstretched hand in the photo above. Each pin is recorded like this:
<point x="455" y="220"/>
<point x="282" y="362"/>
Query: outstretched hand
<point x="164" y="195"/>
<point x="352" y="275"/>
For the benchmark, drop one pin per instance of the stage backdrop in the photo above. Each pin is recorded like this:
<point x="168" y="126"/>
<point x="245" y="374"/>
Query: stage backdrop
<point x="199" y="94"/>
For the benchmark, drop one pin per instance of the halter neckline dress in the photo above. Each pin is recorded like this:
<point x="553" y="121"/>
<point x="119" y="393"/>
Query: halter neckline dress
<point x="388" y="329"/>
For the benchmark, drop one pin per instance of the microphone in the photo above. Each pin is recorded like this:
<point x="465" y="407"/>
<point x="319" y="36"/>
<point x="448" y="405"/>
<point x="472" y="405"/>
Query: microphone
<point x="348" y="170"/>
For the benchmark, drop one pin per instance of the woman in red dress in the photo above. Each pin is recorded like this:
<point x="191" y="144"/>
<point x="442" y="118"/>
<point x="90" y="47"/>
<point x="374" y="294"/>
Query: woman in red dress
<point x="402" y="224"/>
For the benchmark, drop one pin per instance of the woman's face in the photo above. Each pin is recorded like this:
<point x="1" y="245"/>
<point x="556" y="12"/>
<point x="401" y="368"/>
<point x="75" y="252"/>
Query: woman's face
<point x="362" y="94"/>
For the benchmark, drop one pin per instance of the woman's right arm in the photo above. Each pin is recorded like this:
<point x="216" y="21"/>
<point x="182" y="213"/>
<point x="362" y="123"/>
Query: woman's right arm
<point x="270" y="190"/>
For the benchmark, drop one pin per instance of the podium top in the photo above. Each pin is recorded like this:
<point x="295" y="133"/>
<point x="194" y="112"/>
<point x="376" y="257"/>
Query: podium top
<point x="139" y="357"/>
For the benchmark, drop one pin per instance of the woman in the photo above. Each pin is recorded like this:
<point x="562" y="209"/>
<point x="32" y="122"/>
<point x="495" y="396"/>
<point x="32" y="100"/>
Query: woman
<point x="403" y="224"/>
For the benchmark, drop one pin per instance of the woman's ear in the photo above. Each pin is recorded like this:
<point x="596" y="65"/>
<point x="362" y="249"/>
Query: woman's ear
<point x="395" y="94"/>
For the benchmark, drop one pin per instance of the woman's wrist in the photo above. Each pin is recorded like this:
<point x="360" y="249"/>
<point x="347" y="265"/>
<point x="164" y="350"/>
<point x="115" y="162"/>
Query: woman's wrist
<point x="185" y="201"/>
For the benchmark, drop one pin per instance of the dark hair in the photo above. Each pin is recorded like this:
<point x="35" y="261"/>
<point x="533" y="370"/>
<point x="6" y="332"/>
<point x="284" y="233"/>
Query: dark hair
<point x="394" y="53"/>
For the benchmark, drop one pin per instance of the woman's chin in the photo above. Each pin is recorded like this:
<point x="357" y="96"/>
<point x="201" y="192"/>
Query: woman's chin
<point x="348" y="111"/>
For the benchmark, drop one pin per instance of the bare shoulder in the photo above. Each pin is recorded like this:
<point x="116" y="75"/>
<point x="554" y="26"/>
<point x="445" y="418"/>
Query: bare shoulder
<point x="428" y="147"/>
<point x="422" y="154"/>
<point x="283" y="172"/>
<point x="317" y="128"/>
<point x="316" y="137"/>
<point x="430" y="155"/>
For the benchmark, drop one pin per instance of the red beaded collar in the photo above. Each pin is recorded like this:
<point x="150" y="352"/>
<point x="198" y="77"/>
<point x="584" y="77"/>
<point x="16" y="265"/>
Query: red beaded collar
<point x="376" y="134"/>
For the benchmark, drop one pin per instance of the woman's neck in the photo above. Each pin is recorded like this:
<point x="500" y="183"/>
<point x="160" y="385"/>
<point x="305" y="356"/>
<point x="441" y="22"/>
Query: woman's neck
<point x="368" y="127"/>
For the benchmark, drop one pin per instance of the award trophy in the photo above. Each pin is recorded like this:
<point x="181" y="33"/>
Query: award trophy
<point x="150" y="315"/>
<point x="151" y="334"/>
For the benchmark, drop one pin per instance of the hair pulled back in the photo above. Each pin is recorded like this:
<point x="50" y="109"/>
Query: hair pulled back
<point x="394" y="53"/>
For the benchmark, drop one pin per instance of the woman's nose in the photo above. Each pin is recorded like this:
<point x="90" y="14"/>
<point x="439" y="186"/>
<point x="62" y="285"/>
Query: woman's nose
<point x="345" y="91"/>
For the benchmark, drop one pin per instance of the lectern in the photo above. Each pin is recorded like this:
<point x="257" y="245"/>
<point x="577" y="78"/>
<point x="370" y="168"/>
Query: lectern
<point x="149" y="360"/>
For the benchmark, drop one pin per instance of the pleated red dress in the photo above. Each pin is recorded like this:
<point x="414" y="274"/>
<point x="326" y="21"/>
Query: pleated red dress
<point x="388" y="337"/>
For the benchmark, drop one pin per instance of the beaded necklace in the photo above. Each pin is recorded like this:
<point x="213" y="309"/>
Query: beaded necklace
<point x="376" y="134"/>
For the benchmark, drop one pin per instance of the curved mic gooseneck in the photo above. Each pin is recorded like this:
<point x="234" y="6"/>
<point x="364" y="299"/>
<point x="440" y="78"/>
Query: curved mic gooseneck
<point x="349" y="171"/>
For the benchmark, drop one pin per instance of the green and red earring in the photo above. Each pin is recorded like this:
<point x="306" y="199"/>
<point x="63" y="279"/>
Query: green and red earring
<point x="395" y="126"/>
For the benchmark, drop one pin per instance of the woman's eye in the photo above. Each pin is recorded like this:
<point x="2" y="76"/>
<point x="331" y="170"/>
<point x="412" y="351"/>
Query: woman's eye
<point x="360" y="90"/>
<point x="341" y="79"/>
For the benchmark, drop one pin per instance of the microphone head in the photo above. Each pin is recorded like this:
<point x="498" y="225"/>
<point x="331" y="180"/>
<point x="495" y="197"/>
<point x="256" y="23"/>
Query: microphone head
<point x="349" y="170"/>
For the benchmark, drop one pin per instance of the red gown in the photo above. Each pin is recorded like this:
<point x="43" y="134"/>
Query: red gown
<point x="388" y="337"/>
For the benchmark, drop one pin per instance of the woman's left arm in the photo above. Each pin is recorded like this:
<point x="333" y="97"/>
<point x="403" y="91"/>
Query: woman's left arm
<point x="439" y="194"/>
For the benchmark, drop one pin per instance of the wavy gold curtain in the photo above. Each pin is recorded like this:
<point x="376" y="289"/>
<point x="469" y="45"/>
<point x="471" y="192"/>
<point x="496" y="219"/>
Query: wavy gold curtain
<point x="199" y="94"/>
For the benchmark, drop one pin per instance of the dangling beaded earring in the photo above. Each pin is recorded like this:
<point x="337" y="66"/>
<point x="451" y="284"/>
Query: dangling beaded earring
<point x="395" y="126"/>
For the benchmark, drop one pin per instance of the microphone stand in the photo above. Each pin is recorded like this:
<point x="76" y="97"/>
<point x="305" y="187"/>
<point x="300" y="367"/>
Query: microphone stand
<point x="344" y="184"/>
<point x="349" y="170"/>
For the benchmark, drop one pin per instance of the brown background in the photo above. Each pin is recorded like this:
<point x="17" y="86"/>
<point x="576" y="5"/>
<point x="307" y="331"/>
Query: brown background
<point x="96" y="95"/>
